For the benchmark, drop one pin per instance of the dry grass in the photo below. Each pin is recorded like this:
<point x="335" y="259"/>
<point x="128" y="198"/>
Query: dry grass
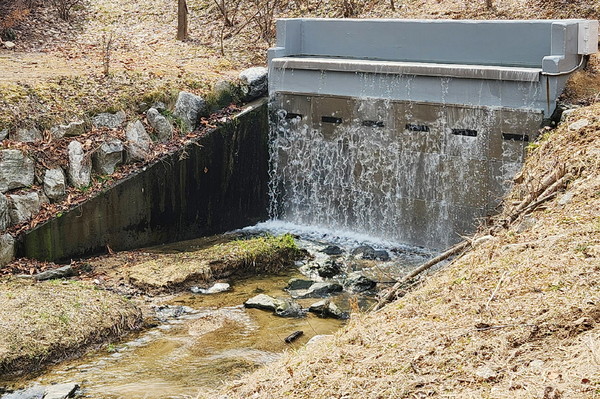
<point x="42" y="323"/>
<point x="517" y="317"/>
<point x="172" y="271"/>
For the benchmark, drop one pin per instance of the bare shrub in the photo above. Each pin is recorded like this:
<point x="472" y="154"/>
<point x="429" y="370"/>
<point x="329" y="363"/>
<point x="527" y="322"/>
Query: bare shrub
<point x="65" y="7"/>
<point x="350" y="8"/>
<point x="264" y="17"/>
<point x="228" y="10"/>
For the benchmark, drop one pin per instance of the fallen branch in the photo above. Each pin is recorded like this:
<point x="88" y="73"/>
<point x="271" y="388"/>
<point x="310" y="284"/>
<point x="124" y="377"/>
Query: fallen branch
<point x="391" y="294"/>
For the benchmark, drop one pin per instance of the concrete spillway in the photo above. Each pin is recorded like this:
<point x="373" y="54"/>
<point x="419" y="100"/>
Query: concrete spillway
<point x="410" y="130"/>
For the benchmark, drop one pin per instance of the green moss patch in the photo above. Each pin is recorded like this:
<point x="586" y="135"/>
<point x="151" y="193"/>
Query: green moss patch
<point x="42" y="323"/>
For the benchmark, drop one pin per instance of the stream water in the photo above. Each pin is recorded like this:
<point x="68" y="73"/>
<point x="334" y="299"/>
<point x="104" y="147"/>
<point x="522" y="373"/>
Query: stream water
<point x="215" y="339"/>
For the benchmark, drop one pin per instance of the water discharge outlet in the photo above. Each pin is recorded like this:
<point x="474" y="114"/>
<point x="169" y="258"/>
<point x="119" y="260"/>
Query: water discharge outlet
<point x="410" y="130"/>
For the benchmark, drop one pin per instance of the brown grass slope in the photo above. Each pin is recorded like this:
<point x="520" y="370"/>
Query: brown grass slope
<point x="519" y="316"/>
<point x="42" y="323"/>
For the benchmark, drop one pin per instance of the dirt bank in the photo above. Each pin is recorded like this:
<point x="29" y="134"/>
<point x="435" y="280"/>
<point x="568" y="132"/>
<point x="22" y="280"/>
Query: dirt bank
<point x="43" y="323"/>
<point x="518" y="316"/>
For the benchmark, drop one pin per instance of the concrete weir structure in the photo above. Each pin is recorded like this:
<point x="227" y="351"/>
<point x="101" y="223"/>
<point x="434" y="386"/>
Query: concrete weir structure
<point x="410" y="129"/>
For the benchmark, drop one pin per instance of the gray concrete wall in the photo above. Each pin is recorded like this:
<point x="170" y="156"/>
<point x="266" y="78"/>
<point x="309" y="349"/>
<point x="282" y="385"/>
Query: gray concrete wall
<point x="215" y="184"/>
<point x="419" y="173"/>
<point x="498" y="58"/>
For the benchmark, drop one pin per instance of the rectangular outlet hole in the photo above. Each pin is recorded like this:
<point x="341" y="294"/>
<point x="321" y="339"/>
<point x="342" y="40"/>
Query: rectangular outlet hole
<point x="331" y="119"/>
<point x="291" y="115"/>
<point x="373" y="124"/>
<point x="465" y="132"/>
<point x="413" y="127"/>
<point x="515" y="137"/>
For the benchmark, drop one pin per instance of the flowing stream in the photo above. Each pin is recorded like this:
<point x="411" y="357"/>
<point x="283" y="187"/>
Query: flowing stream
<point x="213" y="339"/>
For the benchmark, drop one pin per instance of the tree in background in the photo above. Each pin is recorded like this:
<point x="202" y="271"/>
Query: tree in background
<point x="182" y="20"/>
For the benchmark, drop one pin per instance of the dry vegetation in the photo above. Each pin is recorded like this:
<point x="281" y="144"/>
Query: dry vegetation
<point x="42" y="323"/>
<point x="169" y="272"/>
<point x="518" y="316"/>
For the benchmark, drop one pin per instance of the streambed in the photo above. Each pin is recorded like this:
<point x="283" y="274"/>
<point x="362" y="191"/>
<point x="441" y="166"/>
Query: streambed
<point x="212" y="340"/>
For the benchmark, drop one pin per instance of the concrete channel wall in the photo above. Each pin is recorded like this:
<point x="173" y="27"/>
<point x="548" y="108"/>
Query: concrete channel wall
<point x="213" y="185"/>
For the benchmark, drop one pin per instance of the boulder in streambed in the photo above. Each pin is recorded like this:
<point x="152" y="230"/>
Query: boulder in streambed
<point x="34" y="392"/>
<point x="317" y="290"/>
<point x="298" y="284"/>
<point x="263" y="302"/>
<point x="60" y="391"/>
<point x="281" y="307"/>
<point x="356" y="282"/>
<point x="327" y="309"/>
<point x="332" y="250"/>
<point x="327" y="269"/>
<point x="376" y="254"/>
<point x="216" y="288"/>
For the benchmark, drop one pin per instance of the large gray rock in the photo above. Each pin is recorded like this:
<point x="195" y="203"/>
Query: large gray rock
<point x="26" y="135"/>
<point x="356" y="282"/>
<point x="138" y="141"/>
<point x="35" y="392"/>
<point x="3" y="134"/>
<point x="162" y="127"/>
<point x="60" y="391"/>
<point x="188" y="109"/>
<point x="289" y="308"/>
<point x="281" y="307"/>
<point x="4" y="214"/>
<point x="111" y="121"/>
<point x="55" y="184"/>
<point x="299" y="284"/>
<point x="317" y="290"/>
<point x="254" y="82"/>
<point x="327" y="309"/>
<point x="7" y="249"/>
<point x="74" y="128"/>
<point x="53" y="274"/>
<point x="16" y="170"/>
<point x="80" y="165"/>
<point x="22" y="207"/>
<point x="108" y="157"/>
<point x="263" y="302"/>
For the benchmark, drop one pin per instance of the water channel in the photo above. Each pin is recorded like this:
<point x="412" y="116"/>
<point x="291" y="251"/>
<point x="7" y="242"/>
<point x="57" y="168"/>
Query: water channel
<point x="201" y="341"/>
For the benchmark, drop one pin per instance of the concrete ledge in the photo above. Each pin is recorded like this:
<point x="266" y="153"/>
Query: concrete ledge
<point x="409" y="68"/>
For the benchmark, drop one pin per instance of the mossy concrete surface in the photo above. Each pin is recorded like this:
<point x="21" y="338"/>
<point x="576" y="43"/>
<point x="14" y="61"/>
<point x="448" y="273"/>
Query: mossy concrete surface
<point x="216" y="183"/>
<point x="42" y="323"/>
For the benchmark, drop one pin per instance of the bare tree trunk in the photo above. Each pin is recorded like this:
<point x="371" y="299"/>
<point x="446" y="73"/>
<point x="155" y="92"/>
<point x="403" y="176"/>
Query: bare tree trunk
<point x="393" y="5"/>
<point x="182" y="20"/>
